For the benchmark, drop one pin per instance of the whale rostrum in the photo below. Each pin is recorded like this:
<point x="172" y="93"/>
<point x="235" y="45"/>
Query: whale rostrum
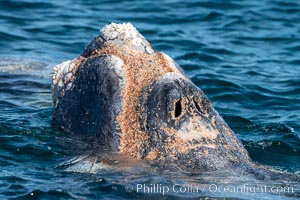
<point x="129" y="98"/>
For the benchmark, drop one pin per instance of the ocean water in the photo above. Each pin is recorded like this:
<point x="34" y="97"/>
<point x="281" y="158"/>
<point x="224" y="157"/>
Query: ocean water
<point x="245" y="55"/>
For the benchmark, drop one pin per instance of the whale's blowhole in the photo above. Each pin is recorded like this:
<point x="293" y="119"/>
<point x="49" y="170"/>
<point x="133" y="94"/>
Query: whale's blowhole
<point x="178" y="108"/>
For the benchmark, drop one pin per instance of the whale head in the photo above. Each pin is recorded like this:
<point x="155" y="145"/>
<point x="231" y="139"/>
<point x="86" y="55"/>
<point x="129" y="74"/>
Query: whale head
<point x="126" y="97"/>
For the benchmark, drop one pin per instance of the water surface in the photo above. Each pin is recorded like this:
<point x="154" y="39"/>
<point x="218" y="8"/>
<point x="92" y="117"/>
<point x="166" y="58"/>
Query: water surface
<point x="245" y="55"/>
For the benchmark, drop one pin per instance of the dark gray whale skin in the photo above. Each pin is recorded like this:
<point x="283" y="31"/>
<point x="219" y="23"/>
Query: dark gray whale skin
<point x="127" y="98"/>
<point x="91" y="107"/>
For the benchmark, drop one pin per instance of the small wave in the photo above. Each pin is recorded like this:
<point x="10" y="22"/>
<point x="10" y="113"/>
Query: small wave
<point x="202" y="57"/>
<point x="267" y="39"/>
<point x="46" y="194"/>
<point x="221" y="51"/>
<point x="213" y="15"/>
<point x="11" y="36"/>
<point x="21" y="66"/>
<point x="217" y="5"/>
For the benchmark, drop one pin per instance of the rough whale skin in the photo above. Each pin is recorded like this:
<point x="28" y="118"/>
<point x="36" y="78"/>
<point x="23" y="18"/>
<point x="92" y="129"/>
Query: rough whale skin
<point x="128" y="98"/>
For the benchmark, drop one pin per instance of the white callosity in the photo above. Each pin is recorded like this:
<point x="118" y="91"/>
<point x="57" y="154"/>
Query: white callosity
<point x="127" y="34"/>
<point x="170" y="77"/>
<point x="61" y="79"/>
<point x="125" y="30"/>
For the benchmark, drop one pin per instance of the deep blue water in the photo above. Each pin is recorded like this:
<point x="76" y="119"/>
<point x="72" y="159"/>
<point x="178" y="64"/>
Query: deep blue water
<point x="245" y="55"/>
